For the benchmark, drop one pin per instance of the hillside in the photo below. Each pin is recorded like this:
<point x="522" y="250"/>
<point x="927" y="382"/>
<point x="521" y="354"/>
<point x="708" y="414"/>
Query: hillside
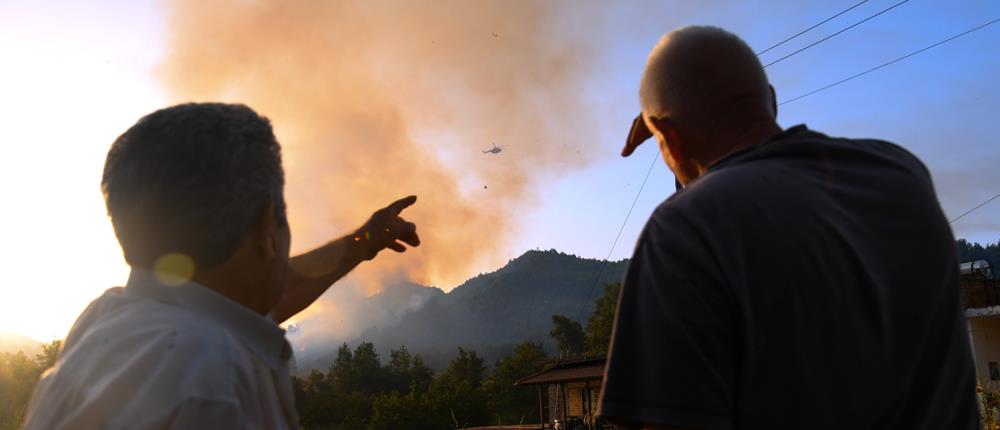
<point x="10" y="342"/>
<point x="493" y="311"/>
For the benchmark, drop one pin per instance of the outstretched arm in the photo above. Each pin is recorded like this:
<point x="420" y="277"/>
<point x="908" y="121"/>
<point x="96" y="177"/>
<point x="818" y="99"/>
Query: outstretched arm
<point x="313" y="272"/>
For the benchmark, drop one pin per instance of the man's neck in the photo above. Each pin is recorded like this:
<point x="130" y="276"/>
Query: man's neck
<point x="231" y="287"/>
<point x="742" y="138"/>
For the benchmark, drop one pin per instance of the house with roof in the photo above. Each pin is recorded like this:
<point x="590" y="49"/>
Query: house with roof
<point x="981" y="299"/>
<point x="568" y="391"/>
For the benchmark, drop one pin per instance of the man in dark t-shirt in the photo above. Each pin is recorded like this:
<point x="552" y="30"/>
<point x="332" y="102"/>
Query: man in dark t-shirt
<point x="797" y="281"/>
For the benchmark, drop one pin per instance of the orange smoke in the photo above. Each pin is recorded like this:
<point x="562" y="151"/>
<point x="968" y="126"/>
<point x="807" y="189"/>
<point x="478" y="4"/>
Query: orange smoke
<point x="374" y="100"/>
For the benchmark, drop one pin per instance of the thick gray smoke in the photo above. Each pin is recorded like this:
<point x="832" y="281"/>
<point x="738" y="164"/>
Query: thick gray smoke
<point x="373" y="100"/>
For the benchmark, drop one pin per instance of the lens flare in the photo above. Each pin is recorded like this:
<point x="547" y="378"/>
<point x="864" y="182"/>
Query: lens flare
<point x="174" y="269"/>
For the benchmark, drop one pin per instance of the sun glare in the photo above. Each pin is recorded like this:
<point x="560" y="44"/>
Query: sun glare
<point x="68" y="90"/>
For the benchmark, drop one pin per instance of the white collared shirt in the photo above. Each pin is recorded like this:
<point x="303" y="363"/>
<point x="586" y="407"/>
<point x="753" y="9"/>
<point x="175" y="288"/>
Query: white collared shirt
<point x="149" y="356"/>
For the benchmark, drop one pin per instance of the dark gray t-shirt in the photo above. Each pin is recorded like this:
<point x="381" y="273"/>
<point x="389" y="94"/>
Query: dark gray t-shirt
<point x="807" y="282"/>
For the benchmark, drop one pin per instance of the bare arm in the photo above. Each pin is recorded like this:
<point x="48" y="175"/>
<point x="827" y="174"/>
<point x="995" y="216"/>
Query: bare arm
<point x="315" y="271"/>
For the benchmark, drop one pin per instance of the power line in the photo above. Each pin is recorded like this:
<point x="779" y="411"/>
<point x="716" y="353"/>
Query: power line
<point x="810" y="28"/>
<point x="629" y="213"/>
<point x="973" y="209"/>
<point x="597" y="279"/>
<point x="890" y="62"/>
<point x="834" y="34"/>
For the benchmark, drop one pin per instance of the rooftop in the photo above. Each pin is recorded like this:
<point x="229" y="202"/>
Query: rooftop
<point x="583" y="369"/>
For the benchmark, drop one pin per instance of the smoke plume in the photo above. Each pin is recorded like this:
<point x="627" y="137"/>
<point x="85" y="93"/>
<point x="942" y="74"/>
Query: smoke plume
<point x="375" y="100"/>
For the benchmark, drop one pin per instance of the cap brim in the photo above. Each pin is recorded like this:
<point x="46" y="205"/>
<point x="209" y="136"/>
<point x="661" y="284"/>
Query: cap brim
<point x="636" y="135"/>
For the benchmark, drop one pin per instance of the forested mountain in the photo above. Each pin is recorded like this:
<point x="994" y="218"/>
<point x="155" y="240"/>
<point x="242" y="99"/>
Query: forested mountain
<point x="492" y="312"/>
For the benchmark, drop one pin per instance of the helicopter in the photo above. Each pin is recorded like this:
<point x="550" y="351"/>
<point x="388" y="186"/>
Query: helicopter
<point x="495" y="149"/>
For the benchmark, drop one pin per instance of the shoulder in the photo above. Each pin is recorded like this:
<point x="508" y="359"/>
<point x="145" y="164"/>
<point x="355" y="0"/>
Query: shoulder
<point x="165" y="356"/>
<point x="199" y="343"/>
<point x="892" y="151"/>
<point x="198" y="356"/>
<point x="95" y="311"/>
<point x="861" y="150"/>
<point x="715" y="195"/>
<point x="799" y="143"/>
<point x="788" y="164"/>
<point x="678" y="240"/>
<point x="173" y="350"/>
<point x="668" y="219"/>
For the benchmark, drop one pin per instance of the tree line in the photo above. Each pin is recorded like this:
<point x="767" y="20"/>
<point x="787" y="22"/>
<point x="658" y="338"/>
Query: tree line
<point x="970" y="251"/>
<point x="359" y="392"/>
<point x="19" y="374"/>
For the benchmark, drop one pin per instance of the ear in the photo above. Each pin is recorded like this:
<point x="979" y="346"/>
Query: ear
<point x="774" y="101"/>
<point x="669" y="137"/>
<point x="264" y="233"/>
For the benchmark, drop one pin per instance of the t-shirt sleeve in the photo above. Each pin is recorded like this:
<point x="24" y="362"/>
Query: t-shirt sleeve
<point x="673" y="353"/>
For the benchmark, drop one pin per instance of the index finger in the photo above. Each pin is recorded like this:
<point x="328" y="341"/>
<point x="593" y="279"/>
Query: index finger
<point x="397" y="206"/>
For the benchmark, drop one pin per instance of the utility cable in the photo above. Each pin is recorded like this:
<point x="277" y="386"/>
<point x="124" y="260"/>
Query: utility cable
<point x="597" y="279"/>
<point x="974" y="209"/>
<point x="810" y="28"/>
<point x="890" y="62"/>
<point x="834" y="34"/>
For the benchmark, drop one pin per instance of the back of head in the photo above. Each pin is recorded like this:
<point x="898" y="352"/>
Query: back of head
<point x="705" y="78"/>
<point x="191" y="179"/>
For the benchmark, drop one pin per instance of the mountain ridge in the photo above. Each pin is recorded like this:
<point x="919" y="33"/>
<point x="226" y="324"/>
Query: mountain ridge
<point x="12" y="343"/>
<point x="490" y="312"/>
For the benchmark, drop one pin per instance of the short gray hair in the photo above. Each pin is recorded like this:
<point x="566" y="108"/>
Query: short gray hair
<point x="695" y="73"/>
<point x="192" y="179"/>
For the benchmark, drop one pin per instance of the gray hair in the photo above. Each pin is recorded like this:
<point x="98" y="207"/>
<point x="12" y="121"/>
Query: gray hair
<point x="696" y="74"/>
<point x="192" y="179"/>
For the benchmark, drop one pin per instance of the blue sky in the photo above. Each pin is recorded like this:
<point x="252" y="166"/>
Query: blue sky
<point x="75" y="74"/>
<point x="940" y="104"/>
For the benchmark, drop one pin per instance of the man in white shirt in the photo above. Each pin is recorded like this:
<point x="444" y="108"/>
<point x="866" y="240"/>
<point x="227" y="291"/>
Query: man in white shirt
<point x="195" y="194"/>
